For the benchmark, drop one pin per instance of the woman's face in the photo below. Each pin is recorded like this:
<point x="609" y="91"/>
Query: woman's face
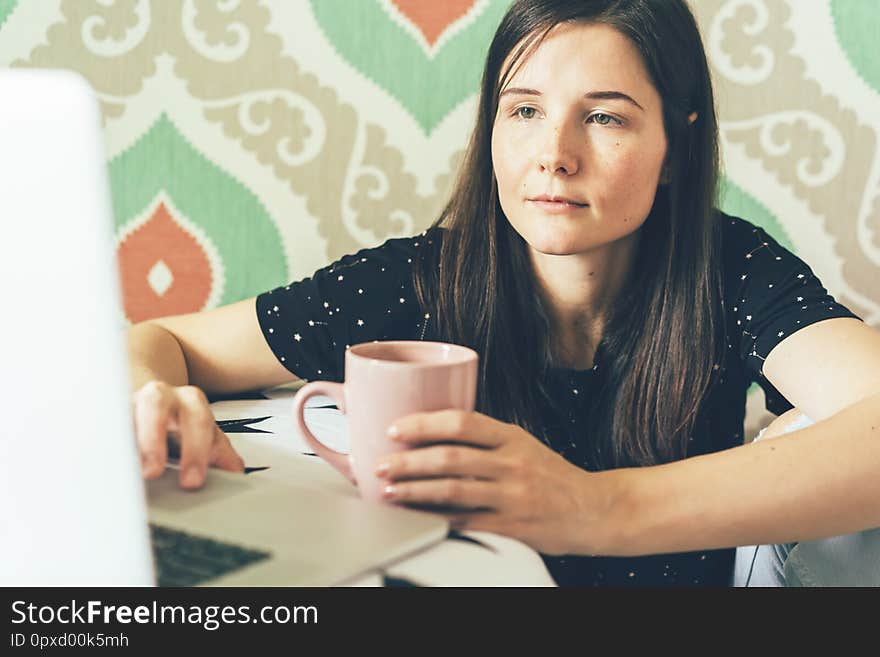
<point x="581" y="119"/>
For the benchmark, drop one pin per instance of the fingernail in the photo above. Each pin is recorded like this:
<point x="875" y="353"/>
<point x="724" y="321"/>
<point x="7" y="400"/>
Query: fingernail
<point x="152" y="466"/>
<point x="382" y="469"/>
<point x="192" y="476"/>
<point x="389" y="491"/>
<point x="393" y="431"/>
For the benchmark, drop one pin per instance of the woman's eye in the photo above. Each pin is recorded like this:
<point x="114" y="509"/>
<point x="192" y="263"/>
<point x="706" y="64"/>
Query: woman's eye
<point x="603" y="119"/>
<point x="520" y="112"/>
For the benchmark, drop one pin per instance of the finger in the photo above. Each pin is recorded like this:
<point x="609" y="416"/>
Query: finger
<point x="152" y="418"/>
<point x="440" y="461"/>
<point x="459" y="493"/>
<point x="197" y="427"/>
<point x="223" y="454"/>
<point x="450" y="425"/>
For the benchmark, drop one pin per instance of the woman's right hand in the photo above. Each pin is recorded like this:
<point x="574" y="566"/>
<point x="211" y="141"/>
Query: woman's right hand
<point x="182" y="414"/>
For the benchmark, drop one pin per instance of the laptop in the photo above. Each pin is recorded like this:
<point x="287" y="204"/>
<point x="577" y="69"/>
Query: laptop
<point x="74" y="509"/>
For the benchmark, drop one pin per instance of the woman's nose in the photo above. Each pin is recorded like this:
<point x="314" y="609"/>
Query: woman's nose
<point x="557" y="154"/>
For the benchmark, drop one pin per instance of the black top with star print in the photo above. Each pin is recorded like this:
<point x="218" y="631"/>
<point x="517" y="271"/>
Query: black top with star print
<point x="769" y="293"/>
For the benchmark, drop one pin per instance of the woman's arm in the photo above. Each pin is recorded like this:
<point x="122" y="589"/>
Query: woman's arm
<point x="221" y="351"/>
<point x="822" y="480"/>
<point x="173" y="362"/>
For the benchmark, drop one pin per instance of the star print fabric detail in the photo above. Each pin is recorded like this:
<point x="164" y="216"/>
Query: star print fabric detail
<point x="782" y="295"/>
<point x="358" y="298"/>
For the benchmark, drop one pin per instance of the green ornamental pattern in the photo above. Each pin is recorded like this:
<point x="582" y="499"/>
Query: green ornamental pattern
<point x="6" y="8"/>
<point x="429" y="88"/>
<point x="857" y="23"/>
<point x="246" y="238"/>
<point x="734" y="200"/>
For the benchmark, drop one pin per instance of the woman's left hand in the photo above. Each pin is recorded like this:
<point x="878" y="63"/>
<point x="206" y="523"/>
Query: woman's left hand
<point x="497" y="476"/>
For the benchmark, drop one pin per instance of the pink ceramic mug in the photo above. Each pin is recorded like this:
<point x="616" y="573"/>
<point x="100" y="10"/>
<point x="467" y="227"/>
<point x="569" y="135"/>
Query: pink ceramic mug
<point x="385" y="381"/>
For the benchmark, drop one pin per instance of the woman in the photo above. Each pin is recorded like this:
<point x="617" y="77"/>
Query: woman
<point x="619" y="319"/>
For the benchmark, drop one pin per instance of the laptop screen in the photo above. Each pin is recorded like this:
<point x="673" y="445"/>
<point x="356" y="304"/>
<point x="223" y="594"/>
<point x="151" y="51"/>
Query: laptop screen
<point x="71" y="497"/>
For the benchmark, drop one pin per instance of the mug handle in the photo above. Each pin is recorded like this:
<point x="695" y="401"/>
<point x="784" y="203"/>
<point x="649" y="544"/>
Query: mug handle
<point x="338" y="460"/>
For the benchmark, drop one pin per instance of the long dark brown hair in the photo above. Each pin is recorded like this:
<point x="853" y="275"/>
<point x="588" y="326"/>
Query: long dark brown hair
<point x="662" y="337"/>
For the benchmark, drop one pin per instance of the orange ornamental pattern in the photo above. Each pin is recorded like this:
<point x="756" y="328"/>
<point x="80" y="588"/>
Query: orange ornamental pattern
<point x="432" y="18"/>
<point x="165" y="269"/>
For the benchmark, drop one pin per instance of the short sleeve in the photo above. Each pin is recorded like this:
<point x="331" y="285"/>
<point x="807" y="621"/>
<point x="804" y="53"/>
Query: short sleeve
<point x="365" y="296"/>
<point x="770" y="293"/>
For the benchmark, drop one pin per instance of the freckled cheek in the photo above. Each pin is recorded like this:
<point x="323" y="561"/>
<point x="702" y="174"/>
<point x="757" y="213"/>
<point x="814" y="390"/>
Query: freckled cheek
<point x="628" y="185"/>
<point x="510" y="168"/>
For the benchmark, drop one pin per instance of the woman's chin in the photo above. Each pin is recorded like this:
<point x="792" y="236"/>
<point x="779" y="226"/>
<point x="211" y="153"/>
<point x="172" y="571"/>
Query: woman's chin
<point x="557" y="250"/>
<point x="560" y="245"/>
<point x="561" y="240"/>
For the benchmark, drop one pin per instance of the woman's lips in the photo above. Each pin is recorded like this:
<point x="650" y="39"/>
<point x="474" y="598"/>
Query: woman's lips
<point x="558" y="207"/>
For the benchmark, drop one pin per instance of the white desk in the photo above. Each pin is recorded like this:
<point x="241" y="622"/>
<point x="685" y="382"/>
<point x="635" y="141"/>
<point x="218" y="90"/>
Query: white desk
<point x="500" y="561"/>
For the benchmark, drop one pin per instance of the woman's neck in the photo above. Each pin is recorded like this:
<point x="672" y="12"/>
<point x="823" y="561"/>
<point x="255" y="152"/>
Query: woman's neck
<point x="580" y="291"/>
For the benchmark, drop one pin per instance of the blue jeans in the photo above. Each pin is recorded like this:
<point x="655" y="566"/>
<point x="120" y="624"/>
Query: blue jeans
<point x="761" y="565"/>
<point x="846" y="560"/>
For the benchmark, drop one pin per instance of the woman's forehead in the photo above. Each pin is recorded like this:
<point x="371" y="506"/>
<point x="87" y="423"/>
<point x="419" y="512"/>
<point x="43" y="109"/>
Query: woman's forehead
<point x="591" y="54"/>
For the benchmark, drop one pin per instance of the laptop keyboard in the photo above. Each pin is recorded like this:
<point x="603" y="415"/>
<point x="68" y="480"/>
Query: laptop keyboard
<point x="182" y="559"/>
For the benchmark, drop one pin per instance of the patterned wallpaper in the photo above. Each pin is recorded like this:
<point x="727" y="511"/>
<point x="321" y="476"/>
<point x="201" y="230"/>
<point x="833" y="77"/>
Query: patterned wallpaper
<point x="249" y="143"/>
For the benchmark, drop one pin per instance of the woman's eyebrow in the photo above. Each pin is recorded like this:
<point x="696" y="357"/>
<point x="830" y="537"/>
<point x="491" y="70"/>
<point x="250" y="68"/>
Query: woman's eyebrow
<point x="592" y="95"/>
<point x="612" y="95"/>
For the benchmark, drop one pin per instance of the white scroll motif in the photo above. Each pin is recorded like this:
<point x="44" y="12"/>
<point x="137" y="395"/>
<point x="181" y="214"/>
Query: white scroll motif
<point x="376" y="193"/>
<point x="746" y="75"/>
<point x="108" y="47"/>
<point x="217" y="52"/>
<point x="355" y="173"/>
<point x="870" y="212"/>
<point x="312" y="118"/>
<point x="831" y="165"/>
